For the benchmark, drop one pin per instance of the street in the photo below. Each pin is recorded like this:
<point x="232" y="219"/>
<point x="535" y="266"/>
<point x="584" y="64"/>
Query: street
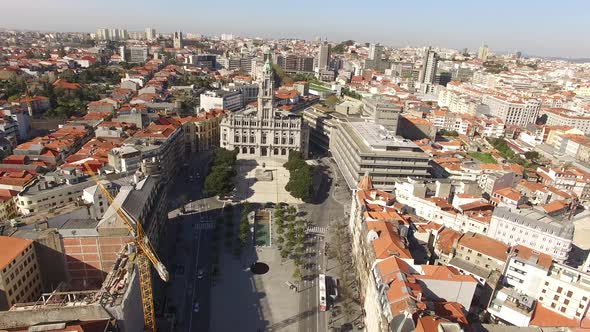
<point x="321" y="215"/>
<point x="188" y="296"/>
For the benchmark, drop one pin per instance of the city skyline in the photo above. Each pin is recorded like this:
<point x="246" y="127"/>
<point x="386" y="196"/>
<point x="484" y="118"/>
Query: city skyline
<point x="460" y="24"/>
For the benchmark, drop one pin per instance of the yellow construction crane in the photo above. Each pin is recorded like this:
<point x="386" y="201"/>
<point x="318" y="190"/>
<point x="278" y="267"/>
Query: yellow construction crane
<point x="145" y="257"/>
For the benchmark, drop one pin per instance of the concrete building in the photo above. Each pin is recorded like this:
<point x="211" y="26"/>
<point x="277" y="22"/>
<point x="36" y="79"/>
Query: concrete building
<point x="428" y="72"/>
<point x="324" y="56"/>
<point x="361" y="147"/>
<point x="150" y="34"/>
<point x="375" y="59"/>
<point x="103" y="34"/>
<point x="20" y="278"/>
<point x="125" y="159"/>
<point x="482" y="54"/>
<point x="513" y="110"/>
<point x="266" y="130"/>
<point x="53" y="191"/>
<point x="136" y="54"/>
<point x="321" y="124"/>
<point x="566" y="291"/>
<point x="565" y="117"/>
<point x="382" y="111"/>
<point x="221" y="99"/>
<point x="533" y="229"/>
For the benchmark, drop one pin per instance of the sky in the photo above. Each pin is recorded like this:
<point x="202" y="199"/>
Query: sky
<point x="542" y="27"/>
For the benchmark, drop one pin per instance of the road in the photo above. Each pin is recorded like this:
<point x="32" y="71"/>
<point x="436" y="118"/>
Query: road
<point x="321" y="215"/>
<point x="193" y="248"/>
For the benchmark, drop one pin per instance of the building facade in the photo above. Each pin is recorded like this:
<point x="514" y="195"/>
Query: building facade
<point x="20" y="277"/>
<point x="513" y="110"/>
<point x="266" y="130"/>
<point x="533" y="229"/>
<point x="362" y="147"/>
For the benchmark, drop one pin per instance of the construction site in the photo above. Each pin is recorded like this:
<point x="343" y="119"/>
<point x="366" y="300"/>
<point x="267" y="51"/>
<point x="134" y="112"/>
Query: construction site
<point x="95" y="264"/>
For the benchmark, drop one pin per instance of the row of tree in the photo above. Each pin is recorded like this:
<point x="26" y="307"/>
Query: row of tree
<point x="300" y="183"/>
<point x="290" y="237"/>
<point x="221" y="171"/>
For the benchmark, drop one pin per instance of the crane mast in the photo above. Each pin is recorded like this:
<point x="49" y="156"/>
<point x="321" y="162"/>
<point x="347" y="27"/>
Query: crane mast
<point x="145" y="257"/>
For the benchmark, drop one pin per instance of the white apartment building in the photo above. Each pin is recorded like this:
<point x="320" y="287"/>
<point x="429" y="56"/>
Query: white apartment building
<point x="533" y="229"/>
<point x="566" y="291"/>
<point x="490" y="126"/>
<point x="52" y="191"/>
<point x="457" y="102"/>
<point x="221" y="99"/>
<point x="513" y="110"/>
<point x="565" y="117"/>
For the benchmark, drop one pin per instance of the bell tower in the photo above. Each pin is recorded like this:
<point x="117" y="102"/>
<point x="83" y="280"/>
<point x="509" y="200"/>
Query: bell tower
<point x="266" y="90"/>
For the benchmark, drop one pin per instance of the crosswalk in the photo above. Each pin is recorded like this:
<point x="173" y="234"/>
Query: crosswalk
<point x="316" y="229"/>
<point x="204" y="225"/>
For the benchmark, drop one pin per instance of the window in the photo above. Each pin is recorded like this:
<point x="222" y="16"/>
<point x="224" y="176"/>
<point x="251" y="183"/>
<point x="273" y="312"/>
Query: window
<point x="569" y="294"/>
<point x="556" y="297"/>
<point x="562" y="309"/>
<point x="553" y="305"/>
<point x="559" y="289"/>
<point x="566" y="301"/>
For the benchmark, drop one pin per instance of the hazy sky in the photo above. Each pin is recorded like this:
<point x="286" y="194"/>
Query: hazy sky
<point x="550" y="28"/>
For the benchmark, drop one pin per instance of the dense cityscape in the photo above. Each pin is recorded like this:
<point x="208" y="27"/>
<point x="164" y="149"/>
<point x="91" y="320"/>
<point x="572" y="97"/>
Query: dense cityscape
<point x="176" y="181"/>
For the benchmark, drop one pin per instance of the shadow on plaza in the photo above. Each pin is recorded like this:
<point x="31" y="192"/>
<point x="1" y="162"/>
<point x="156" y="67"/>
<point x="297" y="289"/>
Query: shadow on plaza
<point x="243" y="189"/>
<point x="236" y="302"/>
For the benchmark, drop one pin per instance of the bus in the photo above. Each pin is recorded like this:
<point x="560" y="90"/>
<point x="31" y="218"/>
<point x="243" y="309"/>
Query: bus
<point x="322" y="292"/>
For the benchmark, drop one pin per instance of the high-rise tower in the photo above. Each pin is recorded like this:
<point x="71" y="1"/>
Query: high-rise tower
<point x="324" y="56"/>
<point x="266" y="90"/>
<point x="483" y="53"/>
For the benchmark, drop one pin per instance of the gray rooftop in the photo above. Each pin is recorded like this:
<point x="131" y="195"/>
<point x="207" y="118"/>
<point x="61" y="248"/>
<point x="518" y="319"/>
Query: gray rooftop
<point x="376" y="137"/>
<point x="535" y="219"/>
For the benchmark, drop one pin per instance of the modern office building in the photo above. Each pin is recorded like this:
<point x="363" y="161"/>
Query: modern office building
<point x="382" y="111"/>
<point x="136" y="53"/>
<point x="265" y="130"/>
<point x="150" y="34"/>
<point x="429" y="66"/>
<point x="103" y="34"/>
<point x="483" y="53"/>
<point x="375" y="51"/>
<point x="202" y="60"/>
<point x="375" y="59"/>
<point x="363" y="147"/>
<point x="324" y="56"/>
<point x="221" y="99"/>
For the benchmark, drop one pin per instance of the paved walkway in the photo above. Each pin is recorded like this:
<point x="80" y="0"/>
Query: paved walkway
<point x="248" y="188"/>
<point x="242" y="301"/>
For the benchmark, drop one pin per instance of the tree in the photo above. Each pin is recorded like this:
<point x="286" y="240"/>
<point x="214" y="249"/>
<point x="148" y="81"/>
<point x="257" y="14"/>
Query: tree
<point x="532" y="155"/>
<point x="450" y="133"/>
<point x="300" y="183"/>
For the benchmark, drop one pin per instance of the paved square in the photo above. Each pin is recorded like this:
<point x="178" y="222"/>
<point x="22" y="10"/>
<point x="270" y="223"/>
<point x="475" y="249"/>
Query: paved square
<point x="242" y="301"/>
<point x="248" y="188"/>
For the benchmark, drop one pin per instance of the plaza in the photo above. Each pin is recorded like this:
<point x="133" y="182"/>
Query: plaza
<point x="249" y="188"/>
